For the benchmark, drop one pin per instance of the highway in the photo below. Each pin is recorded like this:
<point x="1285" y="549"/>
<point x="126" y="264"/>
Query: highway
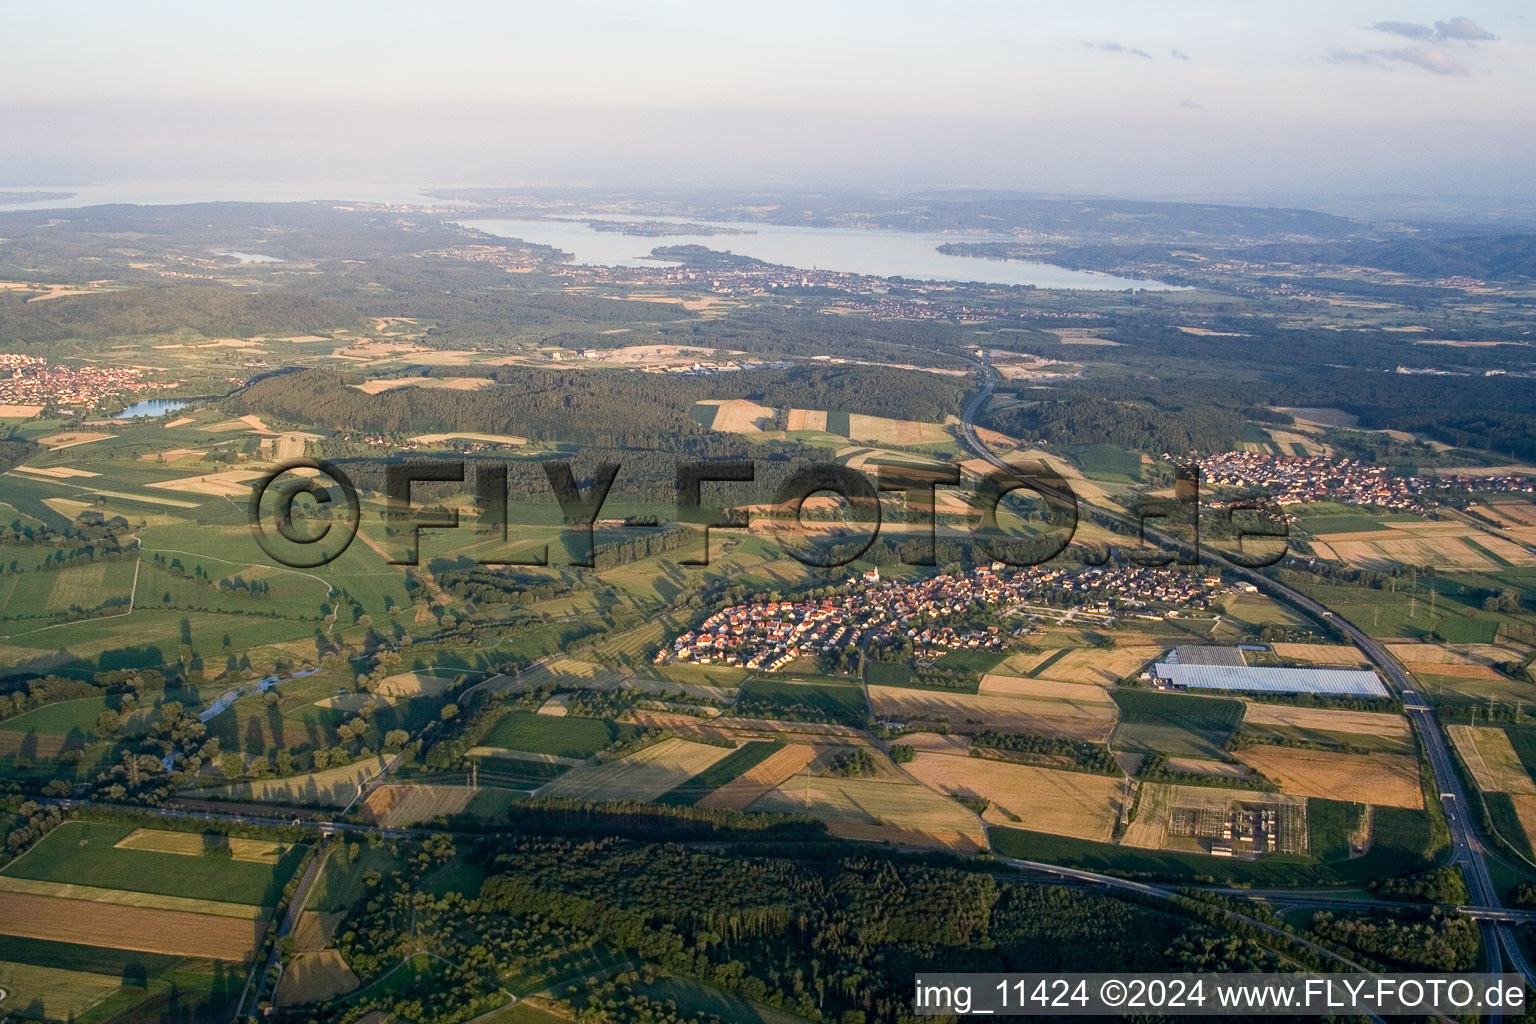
<point x="1467" y="847"/>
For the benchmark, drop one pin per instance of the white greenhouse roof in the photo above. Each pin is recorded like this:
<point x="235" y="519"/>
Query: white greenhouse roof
<point x="1330" y="682"/>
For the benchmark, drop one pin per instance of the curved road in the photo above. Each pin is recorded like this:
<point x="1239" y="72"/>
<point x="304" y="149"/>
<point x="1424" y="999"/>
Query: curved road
<point x="1466" y="844"/>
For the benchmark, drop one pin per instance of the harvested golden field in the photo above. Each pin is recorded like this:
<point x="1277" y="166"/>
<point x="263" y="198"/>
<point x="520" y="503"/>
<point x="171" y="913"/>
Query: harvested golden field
<point x="124" y="898"/>
<point x="1099" y="667"/>
<point x="1411" y="654"/>
<point x="334" y="787"/>
<point x="172" y="454"/>
<point x="192" y="844"/>
<point x="1364" y="723"/>
<point x="1341" y="655"/>
<point x="1524" y="511"/>
<point x="1014" y="686"/>
<point x="1390" y="780"/>
<point x="742" y="791"/>
<point x="137" y="928"/>
<point x="314" y="977"/>
<point x="740" y="416"/>
<point x="1459" y="671"/>
<point x="399" y="806"/>
<point x="878" y="428"/>
<point x="19" y="412"/>
<point x="1429" y="654"/>
<point x="1205" y="766"/>
<point x="901" y="812"/>
<point x="1149" y="829"/>
<point x="939" y="743"/>
<point x="414" y="684"/>
<point x="1491" y="759"/>
<point x="968" y="713"/>
<point x="1426" y="543"/>
<point x="558" y="706"/>
<point x="797" y="419"/>
<point x="55" y="472"/>
<point x="643" y="775"/>
<point x="315" y="929"/>
<point x="54" y="442"/>
<point x="228" y="484"/>
<point x="1039" y="799"/>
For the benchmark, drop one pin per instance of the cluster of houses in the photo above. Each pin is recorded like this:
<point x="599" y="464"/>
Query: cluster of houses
<point x="1297" y="479"/>
<point x="769" y="635"/>
<point x="30" y="380"/>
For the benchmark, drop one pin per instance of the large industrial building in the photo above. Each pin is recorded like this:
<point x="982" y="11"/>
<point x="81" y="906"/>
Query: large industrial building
<point x="1224" y="668"/>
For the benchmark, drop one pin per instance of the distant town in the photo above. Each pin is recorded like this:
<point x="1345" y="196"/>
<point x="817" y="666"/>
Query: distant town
<point x="770" y="635"/>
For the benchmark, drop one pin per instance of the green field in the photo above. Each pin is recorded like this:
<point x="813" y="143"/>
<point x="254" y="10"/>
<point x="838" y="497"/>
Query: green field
<point x="732" y="766"/>
<point x="66" y="718"/>
<point x="1176" y="724"/>
<point x="1342" y="524"/>
<point x="1329" y="825"/>
<point x="82" y="853"/>
<point x="1108" y="461"/>
<point x="563" y="737"/>
<point x="72" y="957"/>
<point x="1523" y="739"/>
<point x="1506" y="822"/>
<point x="1409" y="613"/>
<point x="889" y="673"/>
<point x="840" y="702"/>
<point x="516" y="774"/>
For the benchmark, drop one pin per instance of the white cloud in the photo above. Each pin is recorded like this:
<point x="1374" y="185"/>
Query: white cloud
<point x="1464" y="29"/>
<point x="1118" y="48"/>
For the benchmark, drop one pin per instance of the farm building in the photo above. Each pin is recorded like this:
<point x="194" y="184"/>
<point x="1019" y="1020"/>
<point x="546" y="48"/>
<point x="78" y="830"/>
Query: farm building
<point x="1331" y="682"/>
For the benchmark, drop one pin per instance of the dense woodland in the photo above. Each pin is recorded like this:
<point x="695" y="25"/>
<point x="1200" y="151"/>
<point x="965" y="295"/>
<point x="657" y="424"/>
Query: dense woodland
<point x="605" y="407"/>
<point x="828" y="939"/>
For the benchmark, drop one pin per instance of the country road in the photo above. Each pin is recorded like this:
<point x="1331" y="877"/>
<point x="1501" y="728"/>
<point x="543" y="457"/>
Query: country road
<point x="1467" y="848"/>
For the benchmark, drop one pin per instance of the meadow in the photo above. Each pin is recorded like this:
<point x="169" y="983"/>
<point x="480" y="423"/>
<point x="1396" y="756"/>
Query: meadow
<point x="823" y="700"/>
<point x="567" y="736"/>
<point x="1174" y="723"/>
<point x="86" y="853"/>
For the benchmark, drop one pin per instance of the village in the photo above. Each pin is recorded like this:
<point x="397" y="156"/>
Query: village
<point x="769" y="635"/>
<point x="1299" y="479"/>
<point x="32" y="381"/>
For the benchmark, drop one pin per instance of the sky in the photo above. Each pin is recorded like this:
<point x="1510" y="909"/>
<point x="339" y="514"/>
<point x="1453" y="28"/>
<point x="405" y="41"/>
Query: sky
<point x="1177" y="98"/>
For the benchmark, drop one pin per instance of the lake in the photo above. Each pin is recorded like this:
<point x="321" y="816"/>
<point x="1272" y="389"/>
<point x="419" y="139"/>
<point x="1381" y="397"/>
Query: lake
<point x="912" y="255"/>
<point x="151" y="407"/>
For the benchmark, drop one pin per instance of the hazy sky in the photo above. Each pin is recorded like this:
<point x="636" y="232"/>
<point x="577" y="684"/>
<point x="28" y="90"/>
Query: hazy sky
<point x="1135" y="98"/>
